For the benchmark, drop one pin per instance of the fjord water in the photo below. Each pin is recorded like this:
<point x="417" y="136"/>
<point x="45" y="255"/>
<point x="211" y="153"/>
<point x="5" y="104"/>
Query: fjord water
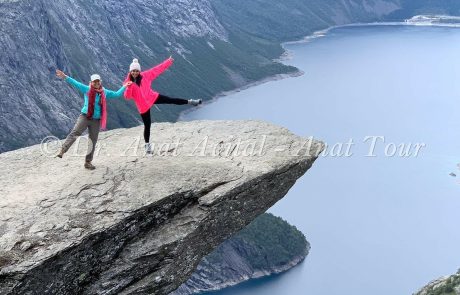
<point x="377" y="225"/>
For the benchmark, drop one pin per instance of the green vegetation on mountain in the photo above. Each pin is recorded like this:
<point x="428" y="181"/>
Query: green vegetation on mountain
<point x="443" y="286"/>
<point x="275" y="241"/>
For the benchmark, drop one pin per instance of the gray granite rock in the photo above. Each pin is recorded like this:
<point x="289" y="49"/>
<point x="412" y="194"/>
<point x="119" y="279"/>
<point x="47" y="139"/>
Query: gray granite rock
<point x="139" y="224"/>
<point x="447" y="285"/>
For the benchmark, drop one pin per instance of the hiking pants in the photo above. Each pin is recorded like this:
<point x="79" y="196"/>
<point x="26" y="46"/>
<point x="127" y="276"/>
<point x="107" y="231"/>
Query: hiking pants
<point x="82" y="123"/>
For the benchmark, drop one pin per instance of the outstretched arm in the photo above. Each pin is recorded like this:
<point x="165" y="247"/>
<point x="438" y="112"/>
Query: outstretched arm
<point x="157" y="70"/>
<point x="80" y="86"/>
<point x="115" y="94"/>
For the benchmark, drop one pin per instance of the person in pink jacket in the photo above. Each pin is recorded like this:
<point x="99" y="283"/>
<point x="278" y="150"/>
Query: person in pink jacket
<point x="144" y="96"/>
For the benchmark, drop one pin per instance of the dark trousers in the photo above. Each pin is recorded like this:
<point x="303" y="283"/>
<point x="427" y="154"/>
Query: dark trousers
<point x="162" y="99"/>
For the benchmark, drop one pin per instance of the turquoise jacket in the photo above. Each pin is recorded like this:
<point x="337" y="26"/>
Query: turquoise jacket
<point x="85" y="88"/>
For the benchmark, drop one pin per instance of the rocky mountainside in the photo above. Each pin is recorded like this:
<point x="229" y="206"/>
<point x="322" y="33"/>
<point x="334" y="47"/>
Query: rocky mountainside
<point x="126" y="227"/>
<point x="411" y="8"/>
<point x="218" y="46"/>
<point x="268" y="245"/>
<point x="82" y="37"/>
<point x="293" y="19"/>
<point x="449" y="285"/>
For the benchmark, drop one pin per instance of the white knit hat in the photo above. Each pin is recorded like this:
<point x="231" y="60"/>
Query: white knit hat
<point x="135" y="65"/>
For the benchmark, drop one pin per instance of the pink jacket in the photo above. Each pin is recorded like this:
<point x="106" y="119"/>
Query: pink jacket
<point x="144" y="96"/>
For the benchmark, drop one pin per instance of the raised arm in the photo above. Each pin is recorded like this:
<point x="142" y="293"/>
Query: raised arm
<point x="157" y="70"/>
<point x="80" y="86"/>
<point x="115" y="94"/>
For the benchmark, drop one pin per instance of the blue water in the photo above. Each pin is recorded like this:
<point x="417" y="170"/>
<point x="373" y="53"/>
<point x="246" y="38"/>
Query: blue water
<point x="377" y="225"/>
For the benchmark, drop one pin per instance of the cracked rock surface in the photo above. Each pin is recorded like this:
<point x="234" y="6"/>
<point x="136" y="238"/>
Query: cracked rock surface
<point x="139" y="224"/>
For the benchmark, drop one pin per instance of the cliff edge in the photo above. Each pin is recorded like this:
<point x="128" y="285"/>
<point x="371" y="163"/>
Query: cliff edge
<point x="139" y="224"/>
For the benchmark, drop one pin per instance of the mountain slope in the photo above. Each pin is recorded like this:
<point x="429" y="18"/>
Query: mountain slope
<point x="293" y="19"/>
<point x="218" y="46"/>
<point x="83" y="37"/>
<point x="268" y="245"/>
<point x="443" y="286"/>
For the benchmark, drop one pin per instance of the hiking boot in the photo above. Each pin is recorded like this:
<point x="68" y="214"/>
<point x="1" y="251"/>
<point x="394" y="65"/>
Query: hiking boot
<point x="89" y="166"/>
<point x="61" y="153"/>
<point x="194" y="102"/>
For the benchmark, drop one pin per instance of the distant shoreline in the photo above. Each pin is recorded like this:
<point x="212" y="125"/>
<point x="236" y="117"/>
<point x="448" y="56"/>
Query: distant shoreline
<point x="418" y="20"/>
<point x="244" y="87"/>
<point x="260" y="274"/>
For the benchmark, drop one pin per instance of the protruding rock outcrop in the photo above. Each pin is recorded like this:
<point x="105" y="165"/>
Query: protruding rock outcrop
<point x="448" y="285"/>
<point x="139" y="224"/>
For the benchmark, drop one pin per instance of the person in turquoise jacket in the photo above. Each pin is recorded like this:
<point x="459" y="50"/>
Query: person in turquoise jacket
<point x="93" y="114"/>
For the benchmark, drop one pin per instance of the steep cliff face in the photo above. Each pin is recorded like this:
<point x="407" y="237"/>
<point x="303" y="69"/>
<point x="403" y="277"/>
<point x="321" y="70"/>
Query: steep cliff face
<point x="139" y="224"/>
<point x="31" y="104"/>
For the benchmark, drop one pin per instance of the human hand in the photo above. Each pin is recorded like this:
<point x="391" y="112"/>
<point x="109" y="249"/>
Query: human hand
<point x="172" y="59"/>
<point x="128" y="83"/>
<point x="61" y="74"/>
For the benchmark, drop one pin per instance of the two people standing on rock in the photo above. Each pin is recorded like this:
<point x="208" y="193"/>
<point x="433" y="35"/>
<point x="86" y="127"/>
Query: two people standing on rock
<point x="137" y="86"/>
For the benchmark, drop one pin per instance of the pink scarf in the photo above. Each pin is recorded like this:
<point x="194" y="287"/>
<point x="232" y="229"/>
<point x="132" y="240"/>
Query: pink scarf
<point x="91" y="101"/>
